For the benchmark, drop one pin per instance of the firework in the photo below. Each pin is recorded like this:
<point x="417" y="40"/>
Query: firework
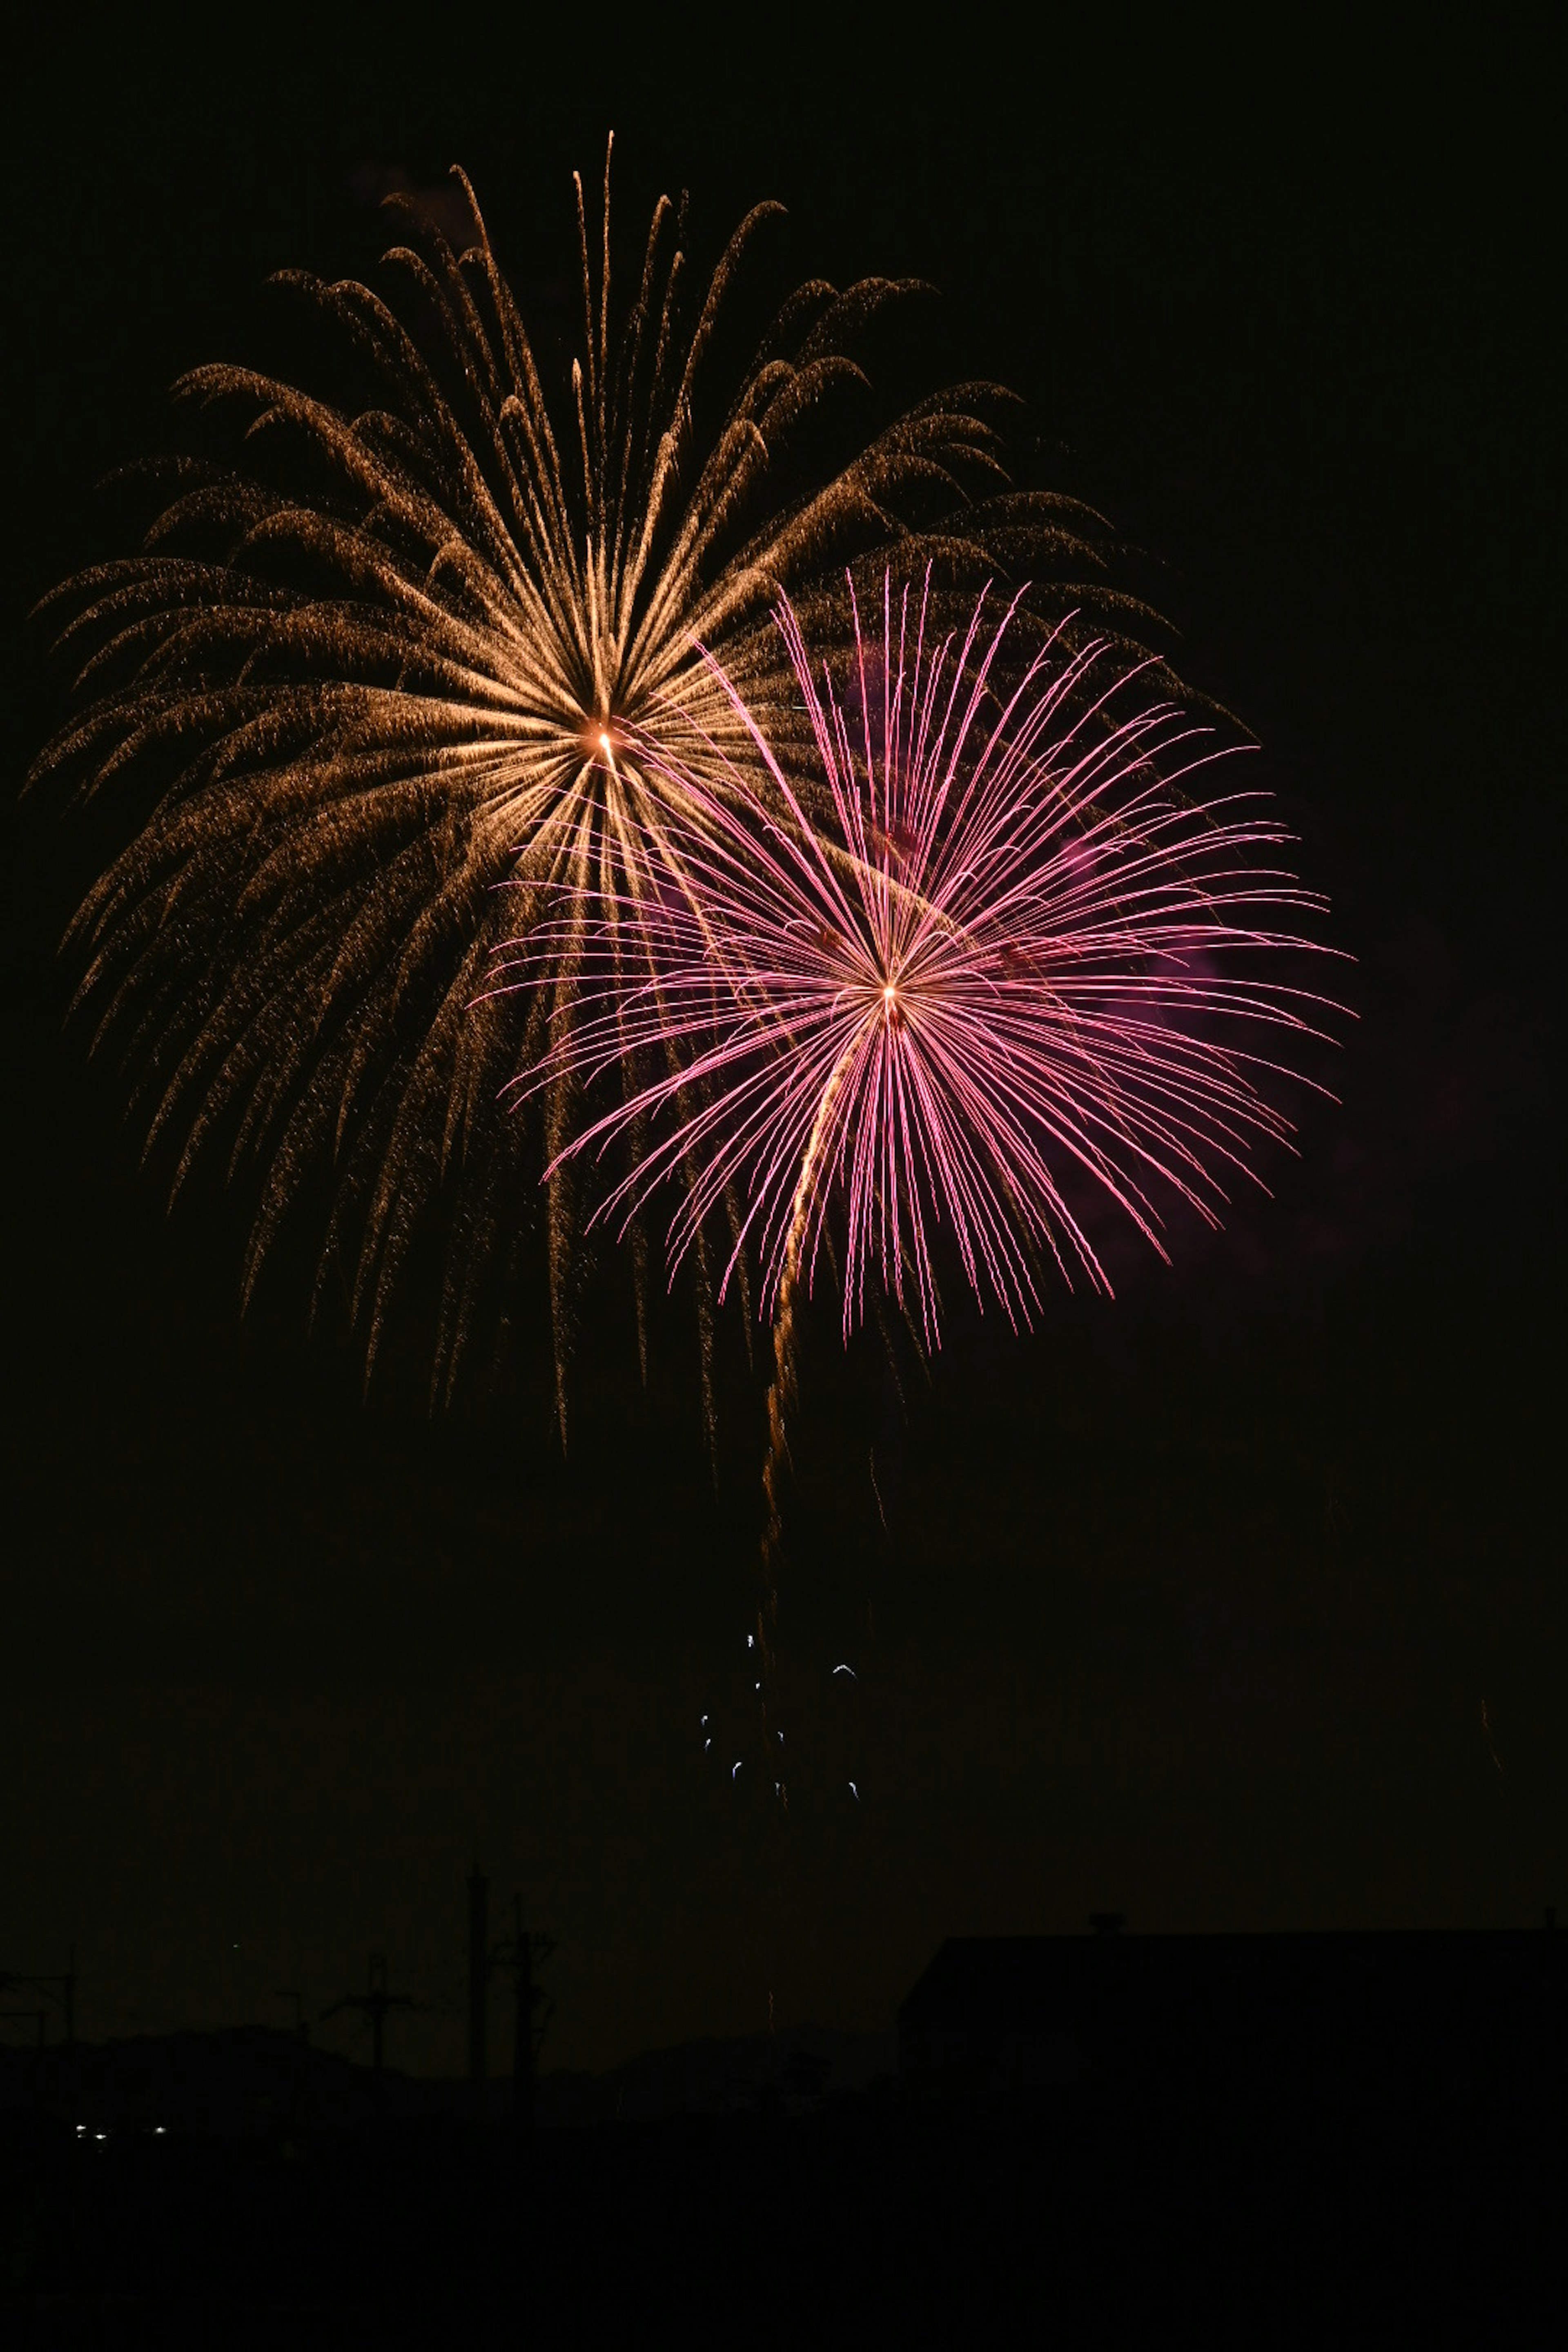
<point x="1016" y="953"/>
<point x="1026" y="955"/>
<point x="367" y="675"/>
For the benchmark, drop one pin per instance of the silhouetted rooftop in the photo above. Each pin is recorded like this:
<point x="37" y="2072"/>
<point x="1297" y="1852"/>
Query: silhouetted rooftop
<point x="1025" y="2012"/>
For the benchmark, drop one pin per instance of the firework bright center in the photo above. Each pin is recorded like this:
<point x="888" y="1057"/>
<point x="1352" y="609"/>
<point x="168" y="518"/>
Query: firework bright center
<point x="600" y="741"/>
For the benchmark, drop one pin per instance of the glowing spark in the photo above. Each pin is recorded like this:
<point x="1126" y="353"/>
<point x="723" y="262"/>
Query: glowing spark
<point x="854" y="1792"/>
<point x="734" y="1768"/>
<point x="845" y="1670"/>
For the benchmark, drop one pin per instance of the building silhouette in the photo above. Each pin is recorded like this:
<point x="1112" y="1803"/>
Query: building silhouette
<point x="1334" y="2013"/>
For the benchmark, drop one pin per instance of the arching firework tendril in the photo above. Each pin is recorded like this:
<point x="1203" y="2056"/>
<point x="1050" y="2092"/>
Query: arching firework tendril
<point x="369" y="673"/>
<point x="1013" y="953"/>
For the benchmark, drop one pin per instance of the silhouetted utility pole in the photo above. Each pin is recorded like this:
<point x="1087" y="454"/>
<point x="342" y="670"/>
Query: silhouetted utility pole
<point x="61" y="1989"/>
<point x="373" y="2004"/>
<point x="301" y="2061"/>
<point x="521" y="1954"/>
<point x="479" y="1981"/>
<point x="301" y="2026"/>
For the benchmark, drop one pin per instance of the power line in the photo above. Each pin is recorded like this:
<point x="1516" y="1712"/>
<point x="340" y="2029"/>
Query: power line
<point x="374" y="2003"/>
<point x="59" y="1991"/>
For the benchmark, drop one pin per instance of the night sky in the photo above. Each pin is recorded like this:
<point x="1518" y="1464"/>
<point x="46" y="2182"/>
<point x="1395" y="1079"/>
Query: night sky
<point x="1188" y="1605"/>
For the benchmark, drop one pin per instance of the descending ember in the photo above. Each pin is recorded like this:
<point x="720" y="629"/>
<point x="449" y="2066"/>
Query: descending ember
<point x="413" y="650"/>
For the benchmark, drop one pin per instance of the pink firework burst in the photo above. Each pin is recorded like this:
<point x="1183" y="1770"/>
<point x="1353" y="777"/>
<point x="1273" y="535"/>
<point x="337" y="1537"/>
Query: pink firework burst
<point x="1004" y="940"/>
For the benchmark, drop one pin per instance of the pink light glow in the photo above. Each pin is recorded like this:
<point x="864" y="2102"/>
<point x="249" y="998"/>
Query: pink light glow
<point x="994" y="939"/>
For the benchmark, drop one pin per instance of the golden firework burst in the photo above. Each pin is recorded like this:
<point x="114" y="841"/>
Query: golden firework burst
<point x="400" y="653"/>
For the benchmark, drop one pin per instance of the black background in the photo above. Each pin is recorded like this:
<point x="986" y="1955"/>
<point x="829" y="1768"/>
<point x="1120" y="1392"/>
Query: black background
<point x="1190" y="1605"/>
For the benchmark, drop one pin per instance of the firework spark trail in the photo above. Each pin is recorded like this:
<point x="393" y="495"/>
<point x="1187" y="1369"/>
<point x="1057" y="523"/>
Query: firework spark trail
<point x="781" y="1394"/>
<point x="368" y="673"/>
<point x="881" y="1514"/>
<point x="1014" y="961"/>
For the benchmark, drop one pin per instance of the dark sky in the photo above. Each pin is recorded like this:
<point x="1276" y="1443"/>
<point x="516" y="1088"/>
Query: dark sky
<point x="1189" y="1605"/>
